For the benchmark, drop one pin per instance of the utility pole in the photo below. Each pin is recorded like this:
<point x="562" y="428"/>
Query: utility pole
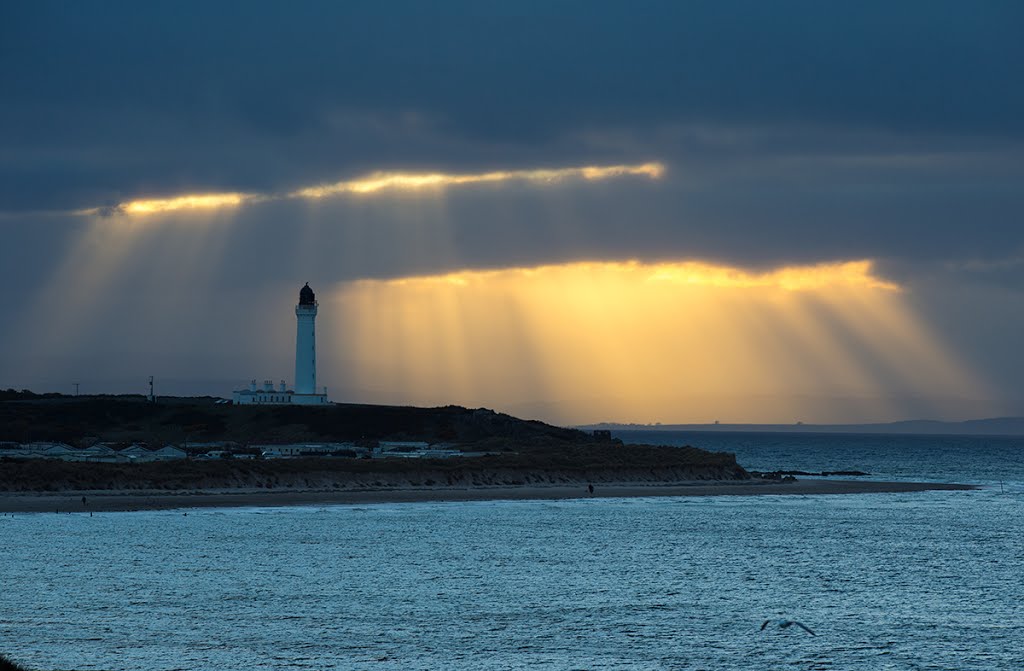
<point x="76" y="388"/>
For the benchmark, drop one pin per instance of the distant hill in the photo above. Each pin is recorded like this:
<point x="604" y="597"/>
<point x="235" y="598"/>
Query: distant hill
<point x="996" y="426"/>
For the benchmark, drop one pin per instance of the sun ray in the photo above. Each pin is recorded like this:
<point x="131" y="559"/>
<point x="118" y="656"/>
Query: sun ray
<point x="98" y="283"/>
<point x="656" y="341"/>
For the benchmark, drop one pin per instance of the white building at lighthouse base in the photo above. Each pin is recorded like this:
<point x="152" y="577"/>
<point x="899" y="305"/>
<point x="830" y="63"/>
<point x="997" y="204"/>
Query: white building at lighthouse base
<point x="269" y="395"/>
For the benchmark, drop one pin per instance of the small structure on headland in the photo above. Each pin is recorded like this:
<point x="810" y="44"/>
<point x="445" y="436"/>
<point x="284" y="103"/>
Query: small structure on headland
<point x="305" y="391"/>
<point x="95" y="453"/>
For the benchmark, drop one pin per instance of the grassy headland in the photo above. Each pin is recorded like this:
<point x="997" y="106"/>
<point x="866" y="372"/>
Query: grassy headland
<point x="518" y="452"/>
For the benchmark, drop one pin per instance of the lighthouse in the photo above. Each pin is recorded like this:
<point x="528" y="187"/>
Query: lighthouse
<point x="305" y="391"/>
<point x="305" y="351"/>
<point x="305" y="342"/>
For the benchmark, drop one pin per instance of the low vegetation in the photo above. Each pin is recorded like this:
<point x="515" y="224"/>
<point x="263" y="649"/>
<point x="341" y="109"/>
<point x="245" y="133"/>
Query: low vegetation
<point x="577" y="463"/>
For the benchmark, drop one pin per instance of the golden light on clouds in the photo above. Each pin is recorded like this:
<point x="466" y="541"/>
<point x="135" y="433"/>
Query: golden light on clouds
<point x="794" y="278"/>
<point x="643" y="342"/>
<point x="694" y="273"/>
<point x="208" y="201"/>
<point x="403" y="181"/>
<point x="197" y="202"/>
<point x="379" y="183"/>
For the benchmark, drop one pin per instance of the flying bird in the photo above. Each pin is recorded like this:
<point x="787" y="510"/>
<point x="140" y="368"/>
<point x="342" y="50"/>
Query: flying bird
<point x="783" y="623"/>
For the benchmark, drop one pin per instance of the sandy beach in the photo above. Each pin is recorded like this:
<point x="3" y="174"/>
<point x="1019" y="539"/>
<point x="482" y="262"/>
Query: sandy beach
<point x="71" y="502"/>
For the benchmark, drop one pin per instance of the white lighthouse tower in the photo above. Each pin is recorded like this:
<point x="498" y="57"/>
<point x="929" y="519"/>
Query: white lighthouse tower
<point x="305" y="349"/>
<point x="305" y="392"/>
<point x="305" y="342"/>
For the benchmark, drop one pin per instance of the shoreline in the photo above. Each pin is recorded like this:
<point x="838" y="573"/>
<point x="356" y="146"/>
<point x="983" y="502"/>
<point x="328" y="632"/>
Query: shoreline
<point x="129" y="500"/>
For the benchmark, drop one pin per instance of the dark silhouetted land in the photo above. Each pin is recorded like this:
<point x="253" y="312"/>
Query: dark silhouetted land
<point x="516" y="459"/>
<point x="512" y="452"/>
<point x="8" y="665"/>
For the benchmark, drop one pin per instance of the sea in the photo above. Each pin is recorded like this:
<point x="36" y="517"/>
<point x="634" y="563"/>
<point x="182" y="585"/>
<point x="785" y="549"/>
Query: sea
<point x="929" y="580"/>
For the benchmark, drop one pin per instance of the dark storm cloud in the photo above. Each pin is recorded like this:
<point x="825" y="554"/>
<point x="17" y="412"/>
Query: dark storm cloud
<point x="107" y="101"/>
<point x="792" y="131"/>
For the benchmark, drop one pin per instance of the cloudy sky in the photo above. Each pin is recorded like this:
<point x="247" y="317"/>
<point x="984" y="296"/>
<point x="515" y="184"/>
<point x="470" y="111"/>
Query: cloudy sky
<point x="576" y="211"/>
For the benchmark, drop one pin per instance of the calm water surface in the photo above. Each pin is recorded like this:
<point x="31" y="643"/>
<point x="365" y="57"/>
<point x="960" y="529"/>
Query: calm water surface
<point x="890" y="581"/>
<point x="972" y="459"/>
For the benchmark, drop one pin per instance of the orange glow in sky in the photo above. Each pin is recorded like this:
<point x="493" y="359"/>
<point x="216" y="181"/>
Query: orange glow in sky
<point x="669" y="342"/>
